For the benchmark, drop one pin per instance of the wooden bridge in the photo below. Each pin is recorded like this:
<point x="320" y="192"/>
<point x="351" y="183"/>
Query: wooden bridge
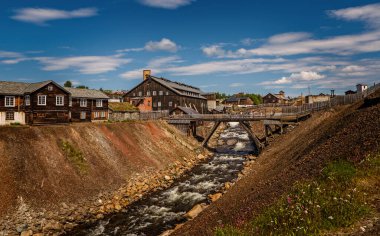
<point x="278" y="120"/>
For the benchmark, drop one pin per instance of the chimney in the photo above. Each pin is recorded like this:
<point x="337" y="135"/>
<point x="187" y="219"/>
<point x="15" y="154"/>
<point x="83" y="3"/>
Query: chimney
<point x="146" y="73"/>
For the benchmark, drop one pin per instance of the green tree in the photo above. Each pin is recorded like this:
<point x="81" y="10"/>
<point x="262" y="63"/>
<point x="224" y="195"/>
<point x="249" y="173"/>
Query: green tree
<point x="68" y="84"/>
<point x="82" y="87"/>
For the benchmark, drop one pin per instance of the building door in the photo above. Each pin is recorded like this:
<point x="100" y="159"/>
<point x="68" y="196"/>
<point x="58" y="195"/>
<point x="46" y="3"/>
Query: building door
<point x="83" y="115"/>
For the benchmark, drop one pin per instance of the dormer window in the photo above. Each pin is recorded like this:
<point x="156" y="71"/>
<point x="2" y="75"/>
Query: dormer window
<point x="50" y="88"/>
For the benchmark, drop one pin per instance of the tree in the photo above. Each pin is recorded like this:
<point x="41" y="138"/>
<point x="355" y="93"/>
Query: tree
<point x="82" y="87"/>
<point x="68" y="84"/>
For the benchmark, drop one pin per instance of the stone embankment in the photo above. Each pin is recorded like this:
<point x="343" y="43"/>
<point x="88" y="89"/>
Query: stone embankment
<point x="114" y="165"/>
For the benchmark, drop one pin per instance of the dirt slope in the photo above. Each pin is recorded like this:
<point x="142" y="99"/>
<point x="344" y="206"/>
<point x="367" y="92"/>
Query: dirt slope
<point x="34" y="166"/>
<point x="349" y="132"/>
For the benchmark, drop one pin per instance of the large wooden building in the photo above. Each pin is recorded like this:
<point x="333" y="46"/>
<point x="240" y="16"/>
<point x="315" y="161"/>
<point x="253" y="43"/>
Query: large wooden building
<point x="40" y="103"/>
<point x="155" y="94"/>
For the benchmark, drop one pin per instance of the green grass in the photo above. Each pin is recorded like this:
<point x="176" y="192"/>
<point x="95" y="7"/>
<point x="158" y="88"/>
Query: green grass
<point x="75" y="157"/>
<point x="335" y="200"/>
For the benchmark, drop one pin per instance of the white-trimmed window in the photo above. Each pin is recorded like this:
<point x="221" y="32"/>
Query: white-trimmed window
<point x="161" y="93"/>
<point x="154" y="93"/>
<point x="41" y="100"/>
<point x="70" y="101"/>
<point x="148" y="93"/>
<point x="167" y="92"/>
<point x="96" y="114"/>
<point x="59" y="100"/>
<point x="9" y="115"/>
<point x="140" y="94"/>
<point x="103" y="114"/>
<point x="83" y="102"/>
<point x="159" y="104"/>
<point x="10" y="101"/>
<point x="27" y="100"/>
<point x="99" y="103"/>
<point x="170" y="104"/>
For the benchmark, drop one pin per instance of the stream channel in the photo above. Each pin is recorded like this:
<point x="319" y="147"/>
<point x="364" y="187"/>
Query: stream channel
<point x="162" y="210"/>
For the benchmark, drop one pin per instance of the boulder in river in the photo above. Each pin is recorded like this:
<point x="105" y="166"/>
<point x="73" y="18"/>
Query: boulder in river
<point x="214" y="197"/>
<point x="195" y="211"/>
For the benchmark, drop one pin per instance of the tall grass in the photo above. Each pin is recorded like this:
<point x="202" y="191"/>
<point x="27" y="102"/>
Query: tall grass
<point x="75" y="157"/>
<point x="332" y="201"/>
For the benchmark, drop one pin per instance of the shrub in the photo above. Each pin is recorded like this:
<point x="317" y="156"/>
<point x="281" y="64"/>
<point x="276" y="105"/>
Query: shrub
<point x="75" y="157"/>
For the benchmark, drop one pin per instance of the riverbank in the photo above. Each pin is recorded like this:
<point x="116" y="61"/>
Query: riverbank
<point x="53" y="178"/>
<point x="350" y="132"/>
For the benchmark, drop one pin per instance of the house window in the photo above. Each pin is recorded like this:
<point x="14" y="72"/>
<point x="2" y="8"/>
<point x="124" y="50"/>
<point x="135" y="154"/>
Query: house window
<point x="99" y="103"/>
<point x="9" y="115"/>
<point x="96" y="114"/>
<point x="154" y="93"/>
<point x="50" y="88"/>
<point x="59" y="100"/>
<point x="170" y="104"/>
<point x="9" y="101"/>
<point x="161" y="93"/>
<point x="83" y="115"/>
<point x="167" y="92"/>
<point x="83" y="102"/>
<point x="134" y="94"/>
<point x="27" y="100"/>
<point x="70" y="101"/>
<point x="140" y="94"/>
<point x="148" y="93"/>
<point x="41" y="100"/>
<point x="159" y="104"/>
<point x="155" y="104"/>
<point x="103" y="114"/>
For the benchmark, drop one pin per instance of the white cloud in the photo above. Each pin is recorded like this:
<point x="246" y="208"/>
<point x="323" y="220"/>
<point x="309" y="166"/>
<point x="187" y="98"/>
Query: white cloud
<point x="166" y="4"/>
<point x="214" y="51"/>
<point x="163" y="45"/>
<point x="303" y="76"/>
<point x="84" y="64"/>
<point x="236" y="85"/>
<point x="288" y="37"/>
<point x="247" y="41"/>
<point x="368" y="13"/>
<point x="40" y="16"/>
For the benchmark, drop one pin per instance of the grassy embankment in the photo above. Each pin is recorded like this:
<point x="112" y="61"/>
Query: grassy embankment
<point x="339" y="197"/>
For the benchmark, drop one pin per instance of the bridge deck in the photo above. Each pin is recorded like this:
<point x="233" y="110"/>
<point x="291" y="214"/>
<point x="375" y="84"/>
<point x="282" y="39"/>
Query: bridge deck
<point x="284" y="117"/>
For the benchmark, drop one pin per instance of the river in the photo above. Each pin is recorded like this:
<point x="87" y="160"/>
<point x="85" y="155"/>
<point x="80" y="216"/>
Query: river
<point x="162" y="210"/>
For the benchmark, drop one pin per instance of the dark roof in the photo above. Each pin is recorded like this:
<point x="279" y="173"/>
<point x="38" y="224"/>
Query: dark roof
<point x="187" y="110"/>
<point x="176" y="87"/>
<point x="236" y="99"/>
<point x="19" y="88"/>
<point x="86" y="93"/>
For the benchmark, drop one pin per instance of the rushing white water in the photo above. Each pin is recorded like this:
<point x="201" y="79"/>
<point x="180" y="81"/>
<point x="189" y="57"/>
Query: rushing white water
<point x="164" y="209"/>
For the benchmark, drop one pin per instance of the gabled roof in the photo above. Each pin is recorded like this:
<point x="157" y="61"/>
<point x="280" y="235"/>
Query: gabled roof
<point x="236" y="99"/>
<point x="176" y="87"/>
<point x="86" y="93"/>
<point x="187" y="110"/>
<point x="20" y="88"/>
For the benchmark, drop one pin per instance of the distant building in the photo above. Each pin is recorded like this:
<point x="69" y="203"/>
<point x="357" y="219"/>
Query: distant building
<point x="317" y="98"/>
<point x="49" y="103"/>
<point x="211" y="100"/>
<point x="361" y="88"/>
<point x="238" y="101"/>
<point x="278" y="98"/>
<point x="349" y="92"/>
<point x="116" y="96"/>
<point x="183" y="111"/>
<point x="155" y="94"/>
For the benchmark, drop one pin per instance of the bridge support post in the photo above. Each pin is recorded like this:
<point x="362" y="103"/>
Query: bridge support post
<point x="257" y="142"/>
<point x="216" y="125"/>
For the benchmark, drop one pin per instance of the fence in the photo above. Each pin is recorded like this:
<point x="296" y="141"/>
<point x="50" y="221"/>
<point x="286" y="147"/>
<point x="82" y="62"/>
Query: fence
<point x="334" y="101"/>
<point x="137" y="115"/>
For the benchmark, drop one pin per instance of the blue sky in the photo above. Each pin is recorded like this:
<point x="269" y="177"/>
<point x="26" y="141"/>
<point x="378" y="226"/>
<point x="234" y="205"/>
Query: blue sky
<point x="255" y="46"/>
